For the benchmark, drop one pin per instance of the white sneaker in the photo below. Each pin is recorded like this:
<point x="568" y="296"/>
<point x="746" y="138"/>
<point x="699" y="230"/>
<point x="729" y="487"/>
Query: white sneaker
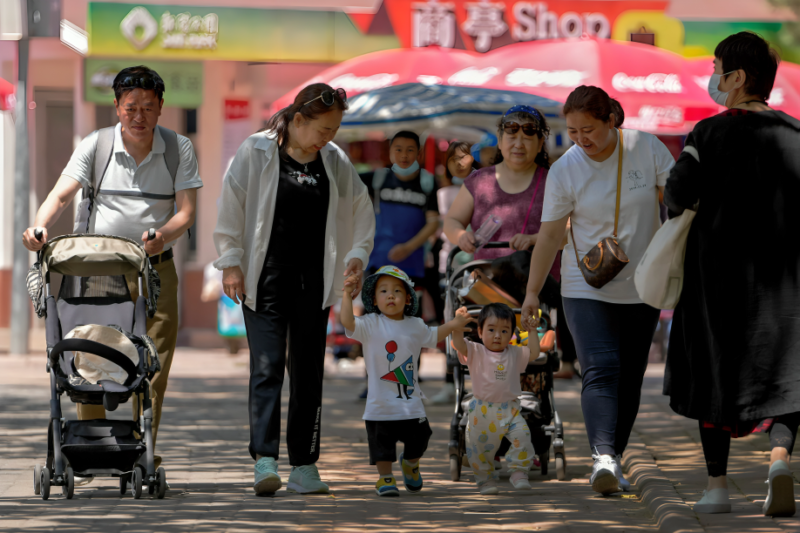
<point x="80" y="480"/>
<point x="445" y="396"/>
<point x="624" y="484"/>
<point x="604" y="475"/>
<point x="714" y="501"/>
<point x="519" y="480"/>
<point x="488" y="487"/>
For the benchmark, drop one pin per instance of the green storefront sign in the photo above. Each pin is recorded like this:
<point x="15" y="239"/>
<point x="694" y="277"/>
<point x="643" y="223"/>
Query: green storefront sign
<point x="183" y="80"/>
<point x="226" y="33"/>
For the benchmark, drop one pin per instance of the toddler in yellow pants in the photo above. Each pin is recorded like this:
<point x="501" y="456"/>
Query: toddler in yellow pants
<point x="494" y="412"/>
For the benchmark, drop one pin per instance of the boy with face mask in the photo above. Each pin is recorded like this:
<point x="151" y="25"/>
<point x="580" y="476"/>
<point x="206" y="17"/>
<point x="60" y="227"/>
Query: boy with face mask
<point x="406" y="209"/>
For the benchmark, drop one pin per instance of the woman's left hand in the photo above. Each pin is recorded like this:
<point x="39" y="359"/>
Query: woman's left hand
<point x="355" y="268"/>
<point x="522" y="242"/>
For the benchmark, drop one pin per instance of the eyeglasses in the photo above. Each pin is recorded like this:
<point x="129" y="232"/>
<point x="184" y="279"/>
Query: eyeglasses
<point x="528" y="129"/>
<point x="143" y="81"/>
<point x="329" y="97"/>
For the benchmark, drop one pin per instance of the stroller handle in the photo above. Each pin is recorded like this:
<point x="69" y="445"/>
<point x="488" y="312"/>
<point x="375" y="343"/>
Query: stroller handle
<point x="456" y="249"/>
<point x="98" y="349"/>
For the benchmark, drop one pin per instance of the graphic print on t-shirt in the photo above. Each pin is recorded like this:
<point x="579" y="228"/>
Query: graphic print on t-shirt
<point x="636" y="180"/>
<point x="500" y="372"/>
<point x="403" y="375"/>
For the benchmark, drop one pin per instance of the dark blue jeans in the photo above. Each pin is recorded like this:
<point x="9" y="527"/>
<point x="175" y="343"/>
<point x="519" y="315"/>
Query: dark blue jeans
<point x="613" y="344"/>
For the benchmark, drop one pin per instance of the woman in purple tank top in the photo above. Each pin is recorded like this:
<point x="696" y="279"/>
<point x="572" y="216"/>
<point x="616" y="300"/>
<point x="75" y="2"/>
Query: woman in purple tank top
<point x="513" y="189"/>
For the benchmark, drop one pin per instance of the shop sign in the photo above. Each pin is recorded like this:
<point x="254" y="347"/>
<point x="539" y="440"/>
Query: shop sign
<point x="183" y="80"/>
<point x="483" y="25"/>
<point x="226" y="33"/>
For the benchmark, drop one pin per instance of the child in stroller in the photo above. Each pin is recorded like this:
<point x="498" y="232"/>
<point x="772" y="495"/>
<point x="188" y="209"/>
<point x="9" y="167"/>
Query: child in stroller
<point x="98" y="353"/>
<point x="470" y="285"/>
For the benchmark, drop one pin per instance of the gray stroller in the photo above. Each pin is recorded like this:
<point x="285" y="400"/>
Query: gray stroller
<point x="98" y="353"/>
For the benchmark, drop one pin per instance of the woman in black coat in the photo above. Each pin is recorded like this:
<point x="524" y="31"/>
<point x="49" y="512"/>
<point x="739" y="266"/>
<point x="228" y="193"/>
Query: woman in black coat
<point x="734" y="355"/>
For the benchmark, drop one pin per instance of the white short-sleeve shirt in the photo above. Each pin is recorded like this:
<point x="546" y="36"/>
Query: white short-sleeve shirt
<point x="587" y="190"/>
<point x="495" y="375"/>
<point x="130" y="215"/>
<point x="391" y="354"/>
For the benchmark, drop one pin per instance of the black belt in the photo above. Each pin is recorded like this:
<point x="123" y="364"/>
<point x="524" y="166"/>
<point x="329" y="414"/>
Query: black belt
<point x="160" y="258"/>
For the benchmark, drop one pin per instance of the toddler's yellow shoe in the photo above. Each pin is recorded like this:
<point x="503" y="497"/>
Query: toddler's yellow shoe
<point x="387" y="486"/>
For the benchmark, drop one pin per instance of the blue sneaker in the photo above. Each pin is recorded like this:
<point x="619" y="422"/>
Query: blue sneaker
<point x="387" y="486"/>
<point x="411" y="476"/>
<point x="267" y="480"/>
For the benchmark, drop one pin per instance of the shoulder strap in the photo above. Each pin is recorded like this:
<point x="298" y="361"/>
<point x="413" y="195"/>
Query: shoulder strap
<point x="172" y="154"/>
<point x="619" y="183"/>
<point x="103" y="153"/>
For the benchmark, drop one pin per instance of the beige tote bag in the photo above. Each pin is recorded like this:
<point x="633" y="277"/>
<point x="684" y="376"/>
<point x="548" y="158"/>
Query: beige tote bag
<point x="659" y="276"/>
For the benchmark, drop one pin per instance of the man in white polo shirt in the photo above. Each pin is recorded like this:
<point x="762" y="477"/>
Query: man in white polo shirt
<point x="150" y="170"/>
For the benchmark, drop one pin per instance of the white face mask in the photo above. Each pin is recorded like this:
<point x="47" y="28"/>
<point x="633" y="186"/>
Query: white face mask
<point x="405" y="172"/>
<point x="718" y="96"/>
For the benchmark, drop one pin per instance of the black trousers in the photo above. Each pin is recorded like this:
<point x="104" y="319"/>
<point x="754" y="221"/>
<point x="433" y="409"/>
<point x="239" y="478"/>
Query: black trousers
<point x="288" y="308"/>
<point x="717" y="442"/>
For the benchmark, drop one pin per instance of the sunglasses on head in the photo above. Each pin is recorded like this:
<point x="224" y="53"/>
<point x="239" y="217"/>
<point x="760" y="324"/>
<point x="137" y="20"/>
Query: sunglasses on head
<point x="329" y="97"/>
<point x="528" y="129"/>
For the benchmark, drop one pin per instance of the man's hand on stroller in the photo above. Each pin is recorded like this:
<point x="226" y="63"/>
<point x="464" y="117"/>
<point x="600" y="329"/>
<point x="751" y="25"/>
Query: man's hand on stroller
<point x="233" y="283"/>
<point x="31" y="242"/>
<point x="530" y="313"/>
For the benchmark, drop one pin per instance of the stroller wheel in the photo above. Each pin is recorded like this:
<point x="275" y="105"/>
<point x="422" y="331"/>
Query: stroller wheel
<point x="124" y="479"/>
<point x="37" y="479"/>
<point x="68" y="488"/>
<point x="136" y="482"/>
<point x="44" y="480"/>
<point x="544" y="458"/>
<point x="161" y="479"/>
<point x="455" y="467"/>
<point x="561" y="467"/>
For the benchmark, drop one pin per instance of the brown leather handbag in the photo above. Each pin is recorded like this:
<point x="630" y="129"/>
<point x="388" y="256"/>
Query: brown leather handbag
<point x="606" y="258"/>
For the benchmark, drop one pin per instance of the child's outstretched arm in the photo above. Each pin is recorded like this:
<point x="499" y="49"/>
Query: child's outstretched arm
<point x="457" y="325"/>
<point x="462" y="316"/>
<point x="346" y="316"/>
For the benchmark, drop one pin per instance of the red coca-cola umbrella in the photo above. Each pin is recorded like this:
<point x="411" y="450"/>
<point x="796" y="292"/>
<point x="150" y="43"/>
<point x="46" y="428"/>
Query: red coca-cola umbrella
<point x="650" y="83"/>
<point x="785" y="93"/>
<point x="429" y="66"/>
<point x="7" y="100"/>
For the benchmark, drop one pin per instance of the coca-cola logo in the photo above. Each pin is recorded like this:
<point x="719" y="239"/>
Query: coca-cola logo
<point x="652" y="83"/>
<point x="528" y="77"/>
<point x="473" y="76"/>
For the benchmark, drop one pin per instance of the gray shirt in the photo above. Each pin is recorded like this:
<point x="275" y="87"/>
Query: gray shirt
<point x="131" y="216"/>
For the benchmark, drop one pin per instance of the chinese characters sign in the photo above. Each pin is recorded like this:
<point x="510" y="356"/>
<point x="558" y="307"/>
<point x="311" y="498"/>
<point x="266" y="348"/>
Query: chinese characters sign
<point x="484" y="25"/>
<point x="183" y="81"/>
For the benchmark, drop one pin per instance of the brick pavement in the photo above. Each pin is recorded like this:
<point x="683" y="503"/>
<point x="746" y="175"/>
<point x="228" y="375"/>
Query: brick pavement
<point x="204" y="435"/>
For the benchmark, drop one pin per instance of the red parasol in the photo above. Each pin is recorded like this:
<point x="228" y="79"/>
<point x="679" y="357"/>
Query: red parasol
<point x="377" y="70"/>
<point x="7" y="100"/>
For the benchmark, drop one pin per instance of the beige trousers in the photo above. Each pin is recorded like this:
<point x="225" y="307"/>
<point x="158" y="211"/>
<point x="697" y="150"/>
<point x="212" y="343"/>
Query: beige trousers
<point x="163" y="329"/>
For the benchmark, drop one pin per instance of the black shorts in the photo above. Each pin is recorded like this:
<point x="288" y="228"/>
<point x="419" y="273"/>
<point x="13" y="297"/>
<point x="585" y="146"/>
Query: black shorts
<point x="383" y="436"/>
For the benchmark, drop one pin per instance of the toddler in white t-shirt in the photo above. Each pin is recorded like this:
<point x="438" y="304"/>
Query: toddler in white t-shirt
<point x="392" y="339"/>
<point x="494" y="412"/>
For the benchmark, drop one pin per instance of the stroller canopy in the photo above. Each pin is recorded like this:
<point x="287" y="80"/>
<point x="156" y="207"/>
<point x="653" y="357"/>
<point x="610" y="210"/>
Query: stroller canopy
<point x="93" y="255"/>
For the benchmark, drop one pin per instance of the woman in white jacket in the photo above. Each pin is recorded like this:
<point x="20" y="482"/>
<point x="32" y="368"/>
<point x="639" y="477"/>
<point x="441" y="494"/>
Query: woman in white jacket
<point x="294" y="220"/>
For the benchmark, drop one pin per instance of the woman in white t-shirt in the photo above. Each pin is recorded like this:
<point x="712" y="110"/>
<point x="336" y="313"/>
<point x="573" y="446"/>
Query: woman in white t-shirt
<point x="612" y="328"/>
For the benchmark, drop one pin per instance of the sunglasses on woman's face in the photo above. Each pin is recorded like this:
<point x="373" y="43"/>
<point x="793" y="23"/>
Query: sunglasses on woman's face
<point x="329" y="97"/>
<point x="528" y="130"/>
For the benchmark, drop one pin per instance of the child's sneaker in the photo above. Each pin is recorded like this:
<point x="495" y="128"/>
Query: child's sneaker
<point x="387" y="486"/>
<point x="519" y="480"/>
<point x="488" y="488"/>
<point x="411" y="476"/>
